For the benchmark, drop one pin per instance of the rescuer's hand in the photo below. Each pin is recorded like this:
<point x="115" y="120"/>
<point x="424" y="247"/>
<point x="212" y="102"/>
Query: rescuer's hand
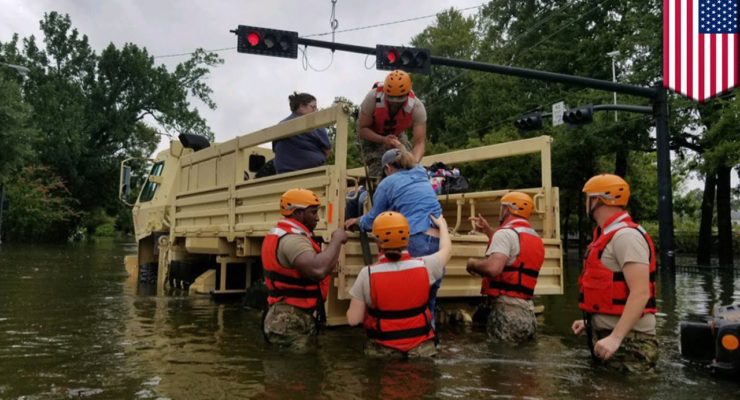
<point x="339" y="235"/>
<point x="441" y="222"/>
<point x="606" y="347"/>
<point x="391" y="142"/>
<point x="578" y="326"/>
<point x="471" y="267"/>
<point x="482" y="225"/>
<point x="348" y="224"/>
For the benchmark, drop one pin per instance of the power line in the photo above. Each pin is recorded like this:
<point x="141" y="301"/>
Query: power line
<point x="359" y="28"/>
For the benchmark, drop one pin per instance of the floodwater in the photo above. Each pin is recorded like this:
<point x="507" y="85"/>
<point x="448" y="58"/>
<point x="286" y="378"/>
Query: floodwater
<point x="73" y="326"/>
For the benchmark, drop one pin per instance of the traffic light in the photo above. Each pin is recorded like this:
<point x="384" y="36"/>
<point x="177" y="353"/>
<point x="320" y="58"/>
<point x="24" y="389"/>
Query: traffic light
<point x="529" y="122"/>
<point x="409" y="59"/>
<point x="580" y="115"/>
<point x="266" y="42"/>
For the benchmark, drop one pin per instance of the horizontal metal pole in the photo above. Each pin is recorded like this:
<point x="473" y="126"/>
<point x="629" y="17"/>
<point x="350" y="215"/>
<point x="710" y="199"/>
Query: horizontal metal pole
<point x="650" y="93"/>
<point x="624" y="107"/>
<point x="647" y="92"/>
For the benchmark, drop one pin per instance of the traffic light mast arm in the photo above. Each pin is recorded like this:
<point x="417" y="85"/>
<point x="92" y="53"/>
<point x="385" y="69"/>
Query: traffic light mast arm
<point x="624" y="107"/>
<point x="648" y="92"/>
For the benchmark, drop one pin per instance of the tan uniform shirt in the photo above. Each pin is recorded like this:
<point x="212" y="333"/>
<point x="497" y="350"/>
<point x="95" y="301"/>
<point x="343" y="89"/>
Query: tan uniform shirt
<point x="506" y="242"/>
<point x="627" y="245"/>
<point x="361" y="289"/>
<point x="290" y="247"/>
<point x="418" y="113"/>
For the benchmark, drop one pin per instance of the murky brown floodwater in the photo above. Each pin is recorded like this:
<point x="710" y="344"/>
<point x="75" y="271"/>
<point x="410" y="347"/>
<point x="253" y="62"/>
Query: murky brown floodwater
<point x="71" y="325"/>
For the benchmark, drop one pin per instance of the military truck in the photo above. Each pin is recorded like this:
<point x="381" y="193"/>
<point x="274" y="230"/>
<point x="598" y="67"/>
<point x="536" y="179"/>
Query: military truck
<point x="202" y="213"/>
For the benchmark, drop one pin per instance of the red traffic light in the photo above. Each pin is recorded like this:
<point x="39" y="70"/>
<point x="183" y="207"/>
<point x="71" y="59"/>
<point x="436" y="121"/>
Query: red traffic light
<point x="266" y="41"/>
<point x="391" y="56"/>
<point x="253" y="38"/>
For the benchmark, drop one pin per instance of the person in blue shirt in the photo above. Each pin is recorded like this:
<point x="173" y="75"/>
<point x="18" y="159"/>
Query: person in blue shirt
<point x="406" y="189"/>
<point x="306" y="150"/>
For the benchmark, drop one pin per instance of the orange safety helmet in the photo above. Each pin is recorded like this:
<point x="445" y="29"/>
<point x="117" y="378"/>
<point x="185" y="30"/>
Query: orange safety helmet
<point x="397" y="84"/>
<point x="612" y="190"/>
<point x="392" y="229"/>
<point x="519" y="204"/>
<point x="297" y="199"/>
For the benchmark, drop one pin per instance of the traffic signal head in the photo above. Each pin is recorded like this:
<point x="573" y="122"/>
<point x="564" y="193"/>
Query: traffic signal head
<point x="267" y="42"/>
<point x="409" y="59"/>
<point x="529" y="122"/>
<point x="580" y="115"/>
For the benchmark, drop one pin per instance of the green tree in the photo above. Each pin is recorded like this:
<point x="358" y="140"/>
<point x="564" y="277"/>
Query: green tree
<point x="94" y="110"/>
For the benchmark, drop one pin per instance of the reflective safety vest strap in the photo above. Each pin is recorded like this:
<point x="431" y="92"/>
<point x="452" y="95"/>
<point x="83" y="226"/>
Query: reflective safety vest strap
<point x="276" y="277"/>
<point x="295" y="293"/>
<point x="397" y="314"/>
<point x="402" y="334"/>
<point x="500" y="285"/>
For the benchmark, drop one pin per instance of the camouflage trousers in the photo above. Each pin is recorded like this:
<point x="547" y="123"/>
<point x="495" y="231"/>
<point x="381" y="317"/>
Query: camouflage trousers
<point x="511" y="322"/>
<point x="290" y="327"/>
<point x="373" y="153"/>
<point x="638" y="352"/>
<point x="425" y="349"/>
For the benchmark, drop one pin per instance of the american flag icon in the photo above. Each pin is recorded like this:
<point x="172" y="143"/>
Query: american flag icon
<point x="700" y="47"/>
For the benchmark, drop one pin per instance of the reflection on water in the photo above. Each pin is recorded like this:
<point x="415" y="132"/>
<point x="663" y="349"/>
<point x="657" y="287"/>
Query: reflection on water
<point x="72" y="325"/>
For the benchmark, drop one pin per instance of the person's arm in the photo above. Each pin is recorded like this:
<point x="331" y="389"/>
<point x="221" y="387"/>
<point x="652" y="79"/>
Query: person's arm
<point x="480" y="223"/>
<point x="316" y="266"/>
<point x="637" y="277"/>
<point x="356" y="312"/>
<point x="323" y="137"/>
<point x="445" y="243"/>
<point x="381" y="202"/>
<point x="419" y="135"/>
<point x="488" y="267"/>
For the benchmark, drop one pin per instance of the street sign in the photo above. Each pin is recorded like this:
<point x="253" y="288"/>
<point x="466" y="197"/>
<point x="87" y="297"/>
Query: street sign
<point x="557" y="113"/>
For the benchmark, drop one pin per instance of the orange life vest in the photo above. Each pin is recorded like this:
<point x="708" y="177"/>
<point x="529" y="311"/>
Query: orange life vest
<point x="285" y="284"/>
<point x="383" y="124"/>
<point x="603" y="291"/>
<point x="400" y="318"/>
<point x="519" y="278"/>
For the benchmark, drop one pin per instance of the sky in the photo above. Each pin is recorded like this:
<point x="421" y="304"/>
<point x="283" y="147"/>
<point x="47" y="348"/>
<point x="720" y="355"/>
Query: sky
<point x="250" y="91"/>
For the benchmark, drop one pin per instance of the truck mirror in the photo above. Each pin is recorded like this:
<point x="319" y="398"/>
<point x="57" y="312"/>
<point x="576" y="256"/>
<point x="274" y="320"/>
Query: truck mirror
<point x="256" y="161"/>
<point x="126" y="185"/>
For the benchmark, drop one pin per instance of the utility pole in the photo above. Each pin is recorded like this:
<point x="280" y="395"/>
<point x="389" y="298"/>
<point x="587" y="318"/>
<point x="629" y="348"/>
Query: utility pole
<point x="614" y="55"/>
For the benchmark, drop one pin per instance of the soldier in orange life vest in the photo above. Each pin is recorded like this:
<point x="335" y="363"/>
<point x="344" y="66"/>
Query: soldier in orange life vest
<point x="617" y="285"/>
<point x="388" y="110"/>
<point x="515" y="256"/>
<point x="297" y="272"/>
<point x="391" y="297"/>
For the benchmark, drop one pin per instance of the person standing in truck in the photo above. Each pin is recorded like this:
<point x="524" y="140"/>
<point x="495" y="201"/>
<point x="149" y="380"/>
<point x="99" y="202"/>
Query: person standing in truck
<point x="515" y="255"/>
<point x="297" y="272"/>
<point x="386" y="113"/>
<point x="306" y="150"/>
<point x="617" y="284"/>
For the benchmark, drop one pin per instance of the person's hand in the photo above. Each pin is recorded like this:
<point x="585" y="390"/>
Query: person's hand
<point x="348" y="224"/>
<point x="482" y="225"/>
<point x="440" y="221"/>
<point x="391" y="142"/>
<point x="578" y="326"/>
<point x="471" y="267"/>
<point x="606" y="347"/>
<point x="339" y="235"/>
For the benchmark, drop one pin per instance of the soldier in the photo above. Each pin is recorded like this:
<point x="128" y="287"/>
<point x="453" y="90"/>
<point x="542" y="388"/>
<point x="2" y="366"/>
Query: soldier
<point x="391" y="297"/>
<point x="515" y="255"/>
<point x="387" y="111"/>
<point x="297" y="272"/>
<point x="617" y="285"/>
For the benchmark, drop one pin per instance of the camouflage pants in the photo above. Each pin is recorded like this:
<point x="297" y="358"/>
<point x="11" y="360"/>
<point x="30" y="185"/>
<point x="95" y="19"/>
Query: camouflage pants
<point x="638" y="352"/>
<point x="373" y="153"/>
<point x="512" y="323"/>
<point x="290" y="327"/>
<point x="425" y="349"/>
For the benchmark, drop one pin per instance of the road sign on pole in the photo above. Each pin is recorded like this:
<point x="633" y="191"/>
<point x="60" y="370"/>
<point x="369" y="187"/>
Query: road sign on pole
<point x="557" y="113"/>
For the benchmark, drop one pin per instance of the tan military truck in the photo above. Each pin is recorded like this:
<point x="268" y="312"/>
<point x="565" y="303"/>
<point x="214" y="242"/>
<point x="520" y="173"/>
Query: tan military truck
<point x="201" y="216"/>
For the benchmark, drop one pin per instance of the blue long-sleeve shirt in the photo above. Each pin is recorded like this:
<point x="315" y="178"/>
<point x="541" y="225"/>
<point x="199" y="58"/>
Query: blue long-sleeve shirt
<point x="303" y="151"/>
<point x="408" y="192"/>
